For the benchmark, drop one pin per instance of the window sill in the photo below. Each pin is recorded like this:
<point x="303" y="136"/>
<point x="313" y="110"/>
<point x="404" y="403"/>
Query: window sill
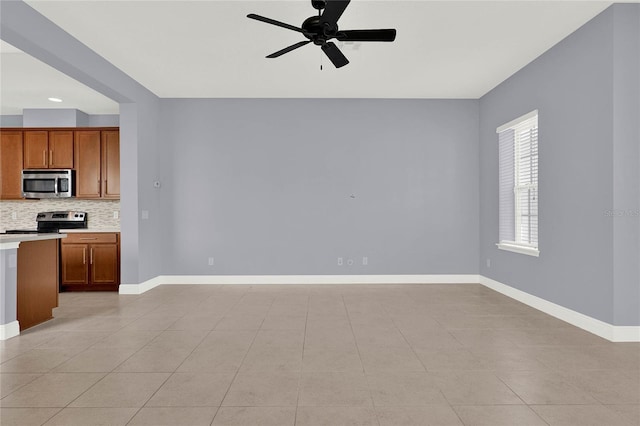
<point x="529" y="251"/>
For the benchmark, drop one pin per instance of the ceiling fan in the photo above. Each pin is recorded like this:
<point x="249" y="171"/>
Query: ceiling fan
<point x="324" y="27"/>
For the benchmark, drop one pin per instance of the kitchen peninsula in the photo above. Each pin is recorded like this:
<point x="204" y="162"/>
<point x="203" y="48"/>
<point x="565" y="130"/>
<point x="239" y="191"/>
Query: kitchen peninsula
<point x="28" y="280"/>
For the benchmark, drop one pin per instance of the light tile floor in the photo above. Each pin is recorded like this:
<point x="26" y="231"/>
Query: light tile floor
<point x="314" y="355"/>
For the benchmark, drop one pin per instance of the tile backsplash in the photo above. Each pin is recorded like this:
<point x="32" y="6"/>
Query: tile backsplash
<point x="100" y="212"/>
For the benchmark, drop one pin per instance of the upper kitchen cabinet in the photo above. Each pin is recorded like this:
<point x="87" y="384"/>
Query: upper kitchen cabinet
<point x="10" y="164"/>
<point x="87" y="156"/>
<point x="97" y="161"/>
<point x="48" y="149"/>
<point x="110" y="164"/>
<point x="61" y="149"/>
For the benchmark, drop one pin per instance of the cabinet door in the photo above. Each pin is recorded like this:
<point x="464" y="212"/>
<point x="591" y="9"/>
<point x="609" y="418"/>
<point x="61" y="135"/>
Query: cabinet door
<point x="10" y="164"/>
<point x="36" y="149"/>
<point x="61" y="149"/>
<point x="111" y="164"/>
<point x="87" y="162"/>
<point x="104" y="263"/>
<point x="75" y="263"/>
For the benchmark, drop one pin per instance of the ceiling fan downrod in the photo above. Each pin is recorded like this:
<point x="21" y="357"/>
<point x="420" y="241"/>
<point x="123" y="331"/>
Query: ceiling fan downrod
<point x="319" y="4"/>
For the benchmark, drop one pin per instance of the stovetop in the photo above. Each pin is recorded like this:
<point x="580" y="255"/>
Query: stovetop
<point x="53" y="222"/>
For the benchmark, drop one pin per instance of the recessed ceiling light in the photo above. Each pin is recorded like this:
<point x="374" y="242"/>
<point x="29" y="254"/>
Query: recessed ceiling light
<point x="55" y="99"/>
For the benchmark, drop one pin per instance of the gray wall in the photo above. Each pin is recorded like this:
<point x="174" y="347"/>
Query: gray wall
<point x="288" y="186"/>
<point x="93" y="120"/>
<point x="571" y="86"/>
<point x="103" y="120"/>
<point x="26" y="29"/>
<point x="10" y="121"/>
<point x="626" y="164"/>
<point x="9" y="286"/>
<point x="53" y="117"/>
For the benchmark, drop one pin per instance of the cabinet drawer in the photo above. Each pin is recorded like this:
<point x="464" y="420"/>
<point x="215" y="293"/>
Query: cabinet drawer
<point x="90" y="238"/>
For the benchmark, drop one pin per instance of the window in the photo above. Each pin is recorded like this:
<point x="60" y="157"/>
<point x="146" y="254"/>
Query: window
<point x="518" y="185"/>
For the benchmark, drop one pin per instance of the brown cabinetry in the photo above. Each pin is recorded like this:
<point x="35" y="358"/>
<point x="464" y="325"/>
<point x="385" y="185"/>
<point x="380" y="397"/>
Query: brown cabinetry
<point x="10" y="164"/>
<point x="37" y="282"/>
<point x="94" y="153"/>
<point x="97" y="159"/>
<point x="87" y="155"/>
<point x="110" y="164"/>
<point x="61" y="149"/>
<point x="90" y="261"/>
<point x="51" y="149"/>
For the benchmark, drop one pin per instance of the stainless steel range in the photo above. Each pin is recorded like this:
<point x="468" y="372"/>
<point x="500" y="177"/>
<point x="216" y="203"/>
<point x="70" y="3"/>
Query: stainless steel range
<point x="48" y="222"/>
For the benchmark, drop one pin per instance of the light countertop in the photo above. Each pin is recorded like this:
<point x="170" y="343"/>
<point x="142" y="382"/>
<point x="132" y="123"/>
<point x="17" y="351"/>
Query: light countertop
<point x="11" y="241"/>
<point x="92" y="230"/>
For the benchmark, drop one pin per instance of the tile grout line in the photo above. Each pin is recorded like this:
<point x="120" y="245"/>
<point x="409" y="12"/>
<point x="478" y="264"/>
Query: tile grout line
<point x="243" y="358"/>
<point x="304" y="340"/>
<point x="421" y="362"/>
<point x="364" y="373"/>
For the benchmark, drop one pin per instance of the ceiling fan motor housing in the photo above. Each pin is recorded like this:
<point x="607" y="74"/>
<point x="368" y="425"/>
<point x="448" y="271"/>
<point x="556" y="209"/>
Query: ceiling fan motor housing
<point x="318" y="31"/>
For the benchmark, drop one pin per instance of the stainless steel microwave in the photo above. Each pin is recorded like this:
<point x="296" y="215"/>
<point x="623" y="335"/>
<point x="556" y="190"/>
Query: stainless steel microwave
<point x="48" y="183"/>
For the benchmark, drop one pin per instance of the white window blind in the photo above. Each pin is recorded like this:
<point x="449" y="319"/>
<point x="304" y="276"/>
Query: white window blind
<point x="518" y="183"/>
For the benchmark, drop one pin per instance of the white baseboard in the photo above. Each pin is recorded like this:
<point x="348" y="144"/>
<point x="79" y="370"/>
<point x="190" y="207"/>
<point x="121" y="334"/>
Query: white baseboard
<point x="142" y="287"/>
<point x="319" y="279"/>
<point x="297" y="279"/>
<point x="625" y="333"/>
<point x="605" y="330"/>
<point x="7" y="331"/>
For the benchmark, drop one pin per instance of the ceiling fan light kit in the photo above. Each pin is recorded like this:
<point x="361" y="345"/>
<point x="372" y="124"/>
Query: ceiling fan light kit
<point x="324" y="27"/>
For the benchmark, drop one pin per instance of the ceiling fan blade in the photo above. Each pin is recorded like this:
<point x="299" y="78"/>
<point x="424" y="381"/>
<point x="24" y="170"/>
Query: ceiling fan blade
<point x="333" y="10"/>
<point x="334" y="54"/>
<point x="288" y="49"/>
<point x="273" y="22"/>
<point x="367" y="35"/>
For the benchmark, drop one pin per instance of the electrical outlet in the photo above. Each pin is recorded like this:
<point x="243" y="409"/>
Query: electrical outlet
<point x="488" y="263"/>
<point x="365" y="260"/>
<point x="210" y="261"/>
<point x="340" y="261"/>
<point x="145" y="214"/>
<point x="116" y="214"/>
<point x="14" y="215"/>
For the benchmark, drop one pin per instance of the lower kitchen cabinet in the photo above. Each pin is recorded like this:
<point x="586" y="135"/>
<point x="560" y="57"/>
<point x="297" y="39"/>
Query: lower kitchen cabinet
<point x="104" y="264"/>
<point x="90" y="262"/>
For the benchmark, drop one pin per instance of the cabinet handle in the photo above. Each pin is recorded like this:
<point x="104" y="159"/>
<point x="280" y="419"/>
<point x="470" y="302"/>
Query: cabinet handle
<point x="84" y="255"/>
<point x="51" y="157"/>
<point x="91" y="257"/>
<point x="44" y="157"/>
<point x="87" y="238"/>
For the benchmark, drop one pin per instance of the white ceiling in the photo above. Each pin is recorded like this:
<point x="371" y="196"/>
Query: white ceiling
<point x="209" y="49"/>
<point x="26" y="82"/>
